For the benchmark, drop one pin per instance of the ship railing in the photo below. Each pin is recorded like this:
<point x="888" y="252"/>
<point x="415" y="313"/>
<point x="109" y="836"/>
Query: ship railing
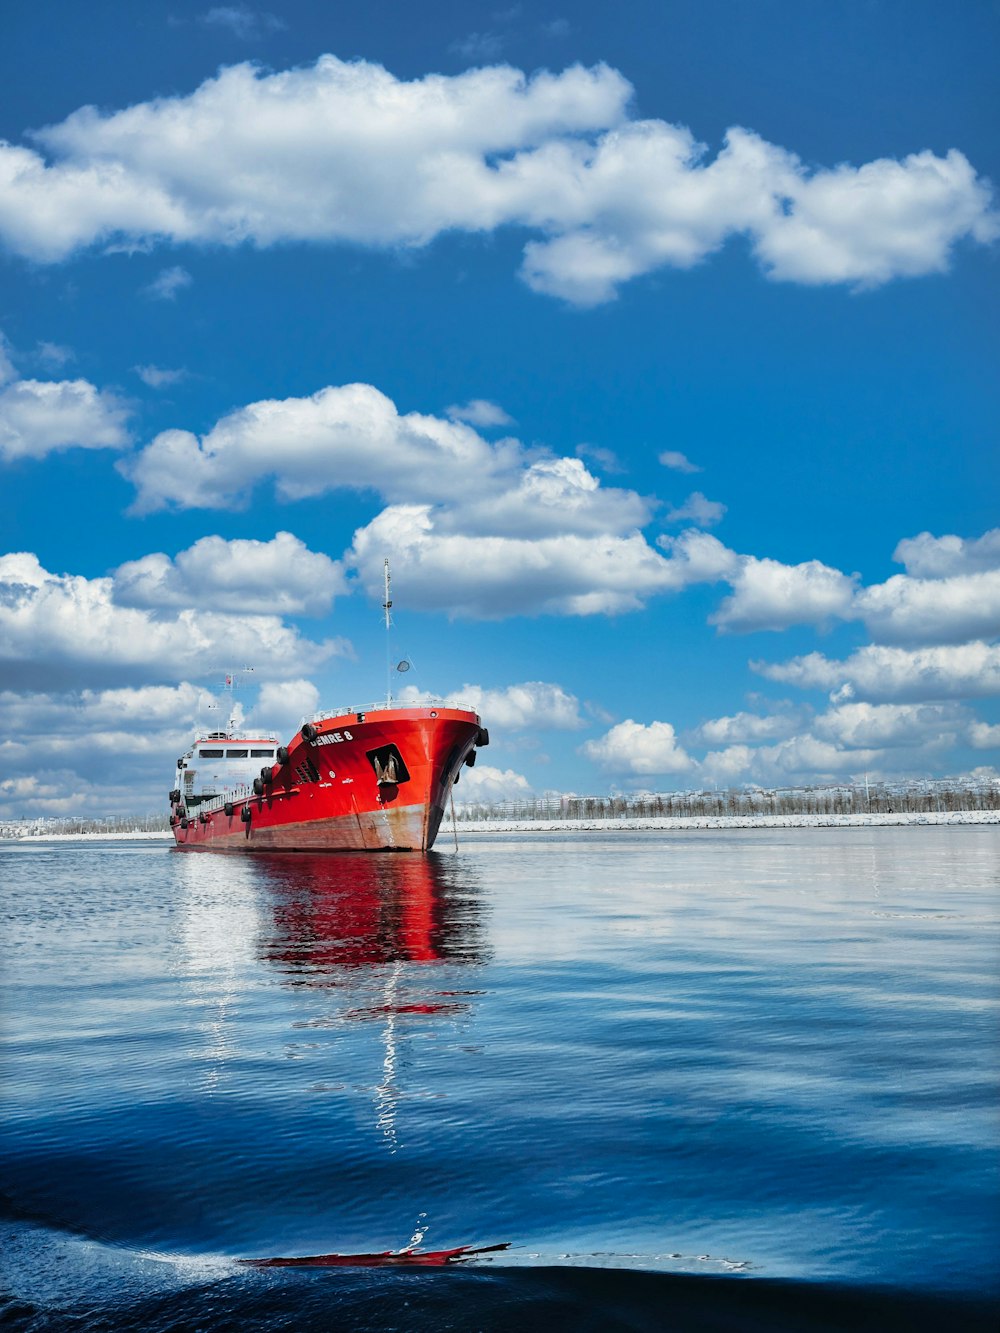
<point x="234" y="794"/>
<point x="239" y="736"/>
<point x="381" y="705"/>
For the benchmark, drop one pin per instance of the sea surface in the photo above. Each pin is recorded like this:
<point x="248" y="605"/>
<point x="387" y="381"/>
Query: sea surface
<point x="698" y="1080"/>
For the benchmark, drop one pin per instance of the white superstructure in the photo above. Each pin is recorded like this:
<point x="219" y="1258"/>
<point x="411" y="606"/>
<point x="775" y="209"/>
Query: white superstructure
<point x="223" y="764"/>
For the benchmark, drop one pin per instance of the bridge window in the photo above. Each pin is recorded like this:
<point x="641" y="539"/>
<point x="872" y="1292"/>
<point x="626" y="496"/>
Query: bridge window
<point x="236" y="754"/>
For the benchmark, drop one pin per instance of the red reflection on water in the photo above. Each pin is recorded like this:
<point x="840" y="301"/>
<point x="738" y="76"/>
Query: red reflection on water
<point x="336" y="917"/>
<point x="378" y="1010"/>
<point x="357" y="911"/>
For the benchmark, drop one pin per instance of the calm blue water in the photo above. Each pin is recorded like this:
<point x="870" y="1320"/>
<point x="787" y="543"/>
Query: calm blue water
<point x="698" y="1080"/>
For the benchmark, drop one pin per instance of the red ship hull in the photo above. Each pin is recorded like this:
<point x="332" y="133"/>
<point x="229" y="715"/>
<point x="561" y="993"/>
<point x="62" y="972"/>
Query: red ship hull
<point x="332" y="793"/>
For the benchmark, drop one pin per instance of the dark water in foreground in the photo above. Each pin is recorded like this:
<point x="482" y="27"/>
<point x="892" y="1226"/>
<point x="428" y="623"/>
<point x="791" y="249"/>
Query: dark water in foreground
<point x="702" y="1080"/>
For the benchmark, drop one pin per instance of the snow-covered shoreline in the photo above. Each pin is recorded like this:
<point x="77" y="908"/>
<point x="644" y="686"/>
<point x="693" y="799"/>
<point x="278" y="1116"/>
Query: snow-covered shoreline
<point x="662" y="823"/>
<point x="666" y="823"/>
<point x="140" y="836"/>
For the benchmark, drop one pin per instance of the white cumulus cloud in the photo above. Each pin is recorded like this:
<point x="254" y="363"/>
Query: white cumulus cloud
<point x="531" y="705"/>
<point x="632" y="748"/>
<point x="860" y="725"/>
<point x="280" y="577"/>
<point x="808" y="757"/>
<point x="59" y="628"/>
<point x="741" y="727"/>
<point x="727" y="767"/>
<point x="353" y="437"/>
<point x="769" y="595"/>
<point x="488" y="577"/>
<point x="124" y="718"/>
<point x="345" y="152"/>
<point x="486" y="783"/>
<point x="487" y="529"/>
<point x="847" y="740"/>
<point x="936" y="610"/>
<point x="337" y="151"/>
<point x="698" y="557"/>
<point x="55" y="745"/>
<point x="958" y="603"/>
<point x="549" y="497"/>
<point x="38" y="417"/>
<point x="798" y="759"/>
<point x="882" y="220"/>
<point x="951" y="671"/>
<point x="340" y="437"/>
<point x="983" y="736"/>
<point x="928" y="557"/>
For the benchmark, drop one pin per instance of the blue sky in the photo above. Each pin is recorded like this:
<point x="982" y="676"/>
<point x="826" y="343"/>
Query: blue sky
<point x="655" y="344"/>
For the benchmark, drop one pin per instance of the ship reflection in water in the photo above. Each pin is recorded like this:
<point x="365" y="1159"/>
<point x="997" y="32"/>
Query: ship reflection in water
<point x="385" y="934"/>
<point x="333" y="914"/>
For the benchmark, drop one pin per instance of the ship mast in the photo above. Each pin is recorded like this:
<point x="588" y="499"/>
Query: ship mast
<point x="387" y="607"/>
<point x="229" y="688"/>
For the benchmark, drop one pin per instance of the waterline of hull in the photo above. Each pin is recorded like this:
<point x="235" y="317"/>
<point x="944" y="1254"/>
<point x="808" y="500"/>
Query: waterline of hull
<point x="410" y="828"/>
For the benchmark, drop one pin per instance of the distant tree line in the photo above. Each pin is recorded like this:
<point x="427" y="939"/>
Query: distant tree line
<point x="22" y="828"/>
<point x="878" y="798"/>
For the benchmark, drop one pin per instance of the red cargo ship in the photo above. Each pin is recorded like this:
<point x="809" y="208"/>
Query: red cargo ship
<point x="362" y="779"/>
<point x="371" y="779"/>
